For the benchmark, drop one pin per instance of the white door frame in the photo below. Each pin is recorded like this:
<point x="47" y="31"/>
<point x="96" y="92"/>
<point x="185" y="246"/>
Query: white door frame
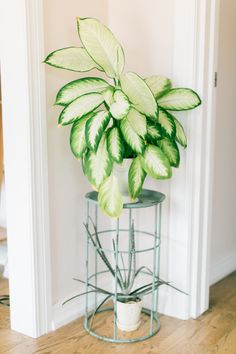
<point x="25" y="149"/>
<point x="200" y="175"/>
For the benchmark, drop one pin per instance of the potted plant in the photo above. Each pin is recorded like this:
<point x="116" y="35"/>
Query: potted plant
<point x="122" y="130"/>
<point x="129" y="295"/>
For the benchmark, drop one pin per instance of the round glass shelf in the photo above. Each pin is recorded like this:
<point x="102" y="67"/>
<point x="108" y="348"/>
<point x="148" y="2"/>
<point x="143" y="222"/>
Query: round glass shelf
<point x="146" y="199"/>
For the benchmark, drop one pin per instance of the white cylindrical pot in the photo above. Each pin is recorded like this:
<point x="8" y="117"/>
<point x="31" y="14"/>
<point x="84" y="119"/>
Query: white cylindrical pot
<point x="129" y="315"/>
<point x="121" y="171"/>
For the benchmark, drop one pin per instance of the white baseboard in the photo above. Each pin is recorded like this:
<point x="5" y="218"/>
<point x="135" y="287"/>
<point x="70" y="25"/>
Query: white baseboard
<point x="63" y="315"/>
<point x="222" y="268"/>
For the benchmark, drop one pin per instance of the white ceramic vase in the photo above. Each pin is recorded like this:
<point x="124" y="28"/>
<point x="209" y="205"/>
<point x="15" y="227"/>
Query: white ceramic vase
<point x="121" y="171"/>
<point x="129" y="315"/>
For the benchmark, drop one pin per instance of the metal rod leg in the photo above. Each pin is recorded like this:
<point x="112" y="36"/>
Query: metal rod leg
<point x="154" y="279"/>
<point x="87" y="266"/>
<point x="116" y="276"/>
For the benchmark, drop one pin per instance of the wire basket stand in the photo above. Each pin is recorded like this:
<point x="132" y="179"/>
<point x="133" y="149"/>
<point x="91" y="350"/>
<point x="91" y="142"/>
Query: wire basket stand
<point x="147" y="199"/>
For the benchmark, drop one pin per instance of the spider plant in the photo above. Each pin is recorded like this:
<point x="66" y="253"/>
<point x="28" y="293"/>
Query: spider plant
<point x="131" y="117"/>
<point x="124" y="275"/>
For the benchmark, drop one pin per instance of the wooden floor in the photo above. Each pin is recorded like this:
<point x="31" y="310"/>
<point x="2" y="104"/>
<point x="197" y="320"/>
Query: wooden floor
<point x="214" y="332"/>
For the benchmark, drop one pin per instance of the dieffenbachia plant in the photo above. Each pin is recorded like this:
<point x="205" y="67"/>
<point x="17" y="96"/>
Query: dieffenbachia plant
<point x="132" y="117"/>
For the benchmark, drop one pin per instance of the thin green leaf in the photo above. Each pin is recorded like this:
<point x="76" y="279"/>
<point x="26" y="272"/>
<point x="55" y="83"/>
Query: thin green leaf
<point x="133" y="128"/>
<point x="154" y="132"/>
<point x="95" y="126"/>
<point x="120" y="107"/>
<point x="170" y="149"/>
<point x="155" y="163"/>
<point x="77" y="136"/>
<point x="166" y="121"/>
<point x="109" y="197"/>
<point x="136" y="177"/>
<point x="98" y="165"/>
<point x="139" y="94"/>
<point x="80" y="107"/>
<point x="115" y="144"/>
<point x="80" y="87"/>
<point x="179" y="99"/>
<point x="73" y="59"/>
<point x="108" y="95"/>
<point x="158" y="85"/>
<point x="180" y="134"/>
<point x="102" y="46"/>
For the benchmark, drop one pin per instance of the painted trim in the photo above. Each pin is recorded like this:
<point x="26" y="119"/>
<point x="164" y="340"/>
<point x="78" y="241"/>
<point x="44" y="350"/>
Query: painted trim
<point x="25" y="145"/>
<point x="195" y="32"/>
<point x="203" y="138"/>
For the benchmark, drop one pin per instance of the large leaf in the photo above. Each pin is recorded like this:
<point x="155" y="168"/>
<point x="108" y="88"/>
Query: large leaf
<point x="120" y="107"/>
<point x="108" y="95"/>
<point x="95" y="127"/>
<point x="180" y="134"/>
<point x="80" y="87"/>
<point x="115" y="144"/>
<point x="154" y="131"/>
<point x="166" y="121"/>
<point x="155" y="163"/>
<point x="158" y="84"/>
<point x="138" y="122"/>
<point x="102" y="46"/>
<point x="170" y="149"/>
<point x="139" y="94"/>
<point x="133" y="128"/>
<point x="72" y="58"/>
<point x="136" y="177"/>
<point x="98" y="165"/>
<point x="179" y="99"/>
<point x="109" y="197"/>
<point x="79" y="107"/>
<point x="77" y="136"/>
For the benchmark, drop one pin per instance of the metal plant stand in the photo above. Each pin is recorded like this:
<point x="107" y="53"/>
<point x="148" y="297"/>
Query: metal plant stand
<point x="118" y="241"/>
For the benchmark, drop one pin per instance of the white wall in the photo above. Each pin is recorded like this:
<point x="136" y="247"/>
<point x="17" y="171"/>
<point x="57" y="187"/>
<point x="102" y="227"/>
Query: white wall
<point x="67" y="185"/>
<point x="223" y="240"/>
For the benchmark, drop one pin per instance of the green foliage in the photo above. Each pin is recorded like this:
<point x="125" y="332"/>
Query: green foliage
<point x="133" y="118"/>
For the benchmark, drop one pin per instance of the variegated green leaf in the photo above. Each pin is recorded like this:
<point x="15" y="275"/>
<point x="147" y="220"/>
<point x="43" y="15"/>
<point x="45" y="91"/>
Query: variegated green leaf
<point x="72" y="58"/>
<point x="77" y="136"/>
<point x="109" y="197"/>
<point x="166" y="121"/>
<point x="108" y="95"/>
<point x="180" y="134"/>
<point x="115" y="144"/>
<point x="79" y="107"/>
<point x="139" y="94"/>
<point x="95" y="127"/>
<point x="98" y="165"/>
<point x="133" y="128"/>
<point x="158" y="84"/>
<point x="102" y="46"/>
<point x="138" y="122"/>
<point x="170" y="149"/>
<point x="153" y="131"/>
<point x="80" y="87"/>
<point x="136" y="177"/>
<point x="179" y="99"/>
<point x="155" y="163"/>
<point x="120" y="108"/>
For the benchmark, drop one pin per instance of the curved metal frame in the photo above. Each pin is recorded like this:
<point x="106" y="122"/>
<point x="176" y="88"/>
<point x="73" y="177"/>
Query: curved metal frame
<point x="147" y="199"/>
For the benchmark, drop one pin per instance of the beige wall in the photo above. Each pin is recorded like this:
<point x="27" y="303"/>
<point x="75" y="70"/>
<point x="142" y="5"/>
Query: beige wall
<point x="223" y="243"/>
